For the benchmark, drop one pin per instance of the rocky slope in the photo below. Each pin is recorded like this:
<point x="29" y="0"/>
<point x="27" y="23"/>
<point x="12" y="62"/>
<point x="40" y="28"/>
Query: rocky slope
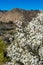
<point x="23" y="32"/>
<point x="17" y="14"/>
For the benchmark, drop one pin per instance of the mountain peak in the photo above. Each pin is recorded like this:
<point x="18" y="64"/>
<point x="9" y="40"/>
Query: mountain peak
<point x="16" y="13"/>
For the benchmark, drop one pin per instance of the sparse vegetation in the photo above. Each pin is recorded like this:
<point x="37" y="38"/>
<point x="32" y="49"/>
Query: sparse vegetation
<point x="3" y="47"/>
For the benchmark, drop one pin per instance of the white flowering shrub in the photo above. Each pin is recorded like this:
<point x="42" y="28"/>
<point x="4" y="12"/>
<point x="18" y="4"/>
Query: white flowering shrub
<point x="27" y="47"/>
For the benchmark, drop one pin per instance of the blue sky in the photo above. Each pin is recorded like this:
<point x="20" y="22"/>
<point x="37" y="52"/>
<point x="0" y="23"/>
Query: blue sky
<point x="23" y="4"/>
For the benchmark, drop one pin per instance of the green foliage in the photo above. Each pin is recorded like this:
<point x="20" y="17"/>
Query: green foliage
<point x="2" y="50"/>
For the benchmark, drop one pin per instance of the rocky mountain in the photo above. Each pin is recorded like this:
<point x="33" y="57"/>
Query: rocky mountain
<point x="17" y="14"/>
<point x="22" y="33"/>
